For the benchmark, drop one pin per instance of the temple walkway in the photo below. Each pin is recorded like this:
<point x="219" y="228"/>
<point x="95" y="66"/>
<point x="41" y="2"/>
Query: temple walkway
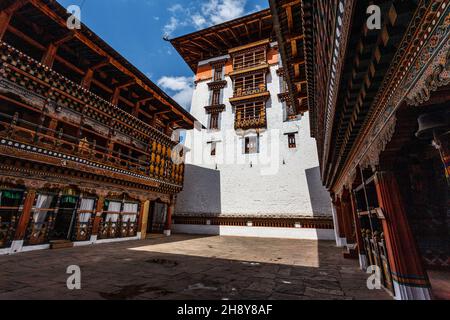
<point x="189" y="267"/>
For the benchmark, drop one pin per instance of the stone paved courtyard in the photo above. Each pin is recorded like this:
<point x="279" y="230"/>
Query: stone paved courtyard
<point x="189" y="267"/>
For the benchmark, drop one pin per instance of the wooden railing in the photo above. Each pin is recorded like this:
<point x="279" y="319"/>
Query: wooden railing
<point x="42" y="88"/>
<point x="247" y="91"/>
<point x="118" y="229"/>
<point x="157" y="165"/>
<point x="250" y="117"/>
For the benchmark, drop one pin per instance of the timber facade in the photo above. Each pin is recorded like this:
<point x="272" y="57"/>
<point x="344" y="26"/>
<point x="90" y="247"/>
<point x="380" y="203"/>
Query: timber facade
<point x="87" y="142"/>
<point x="382" y="129"/>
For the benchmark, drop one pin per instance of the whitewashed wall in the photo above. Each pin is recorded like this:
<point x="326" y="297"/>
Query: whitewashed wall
<point x="289" y="186"/>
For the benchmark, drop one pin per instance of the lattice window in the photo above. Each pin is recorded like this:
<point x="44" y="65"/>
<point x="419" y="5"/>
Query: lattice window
<point x="249" y="59"/>
<point x="248" y="111"/>
<point x="215" y="97"/>
<point x="218" y="74"/>
<point x="251" y="84"/>
<point x="214" y="121"/>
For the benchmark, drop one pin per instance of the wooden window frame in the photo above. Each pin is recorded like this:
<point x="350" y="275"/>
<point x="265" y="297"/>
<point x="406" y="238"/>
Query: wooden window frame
<point x="292" y="143"/>
<point x="215" y="98"/>
<point x="247" y="145"/>
<point x="214" y="121"/>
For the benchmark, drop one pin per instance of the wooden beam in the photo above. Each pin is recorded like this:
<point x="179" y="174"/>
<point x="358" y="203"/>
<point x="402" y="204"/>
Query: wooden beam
<point x="222" y="39"/>
<point x="198" y="45"/>
<point x="143" y="101"/>
<point x="64" y="39"/>
<point x="101" y="64"/>
<point x="126" y="84"/>
<point x="5" y="18"/>
<point x="157" y="114"/>
<point x="16" y="5"/>
<point x="210" y="43"/>
<point x="7" y="13"/>
<point x="295" y="37"/>
<point x="289" y="18"/>
<point x="94" y="47"/>
<point x="234" y="35"/>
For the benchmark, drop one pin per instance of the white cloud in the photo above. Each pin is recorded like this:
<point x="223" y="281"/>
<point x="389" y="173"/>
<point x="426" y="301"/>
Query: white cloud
<point x="208" y="13"/>
<point x="181" y="89"/>
<point x="218" y="11"/>
<point x="171" y="26"/>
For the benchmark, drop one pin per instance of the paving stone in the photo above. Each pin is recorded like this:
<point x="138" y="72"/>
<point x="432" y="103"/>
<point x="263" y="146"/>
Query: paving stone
<point x="189" y="267"/>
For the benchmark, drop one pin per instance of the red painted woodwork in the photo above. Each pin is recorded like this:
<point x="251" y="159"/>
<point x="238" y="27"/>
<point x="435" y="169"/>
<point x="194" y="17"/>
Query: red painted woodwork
<point x="337" y="208"/>
<point x="404" y="258"/>
<point x="49" y="56"/>
<point x="4" y="22"/>
<point x="168" y="225"/>
<point x="97" y="218"/>
<point x="356" y="222"/>
<point x="25" y="216"/>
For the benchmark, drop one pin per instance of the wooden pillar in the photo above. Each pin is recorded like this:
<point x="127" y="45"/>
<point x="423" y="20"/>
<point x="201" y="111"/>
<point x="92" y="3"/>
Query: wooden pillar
<point x="87" y="79"/>
<point x="49" y="56"/>
<point x="115" y="96"/>
<point x="98" y="216"/>
<point x="408" y="274"/>
<point x="347" y="217"/>
<point x="25" y="215"/>
<point x="7" y="13"/>
<point x="136" y="109"/>
<point x="340" y="226"/>
<point x="359" y="238"/>
<point x="168" y="226"/>
<point x="143" y="218"/>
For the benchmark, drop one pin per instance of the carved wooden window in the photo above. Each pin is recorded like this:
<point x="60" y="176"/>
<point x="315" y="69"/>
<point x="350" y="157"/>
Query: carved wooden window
<point x="249" y="111"/>
<point x="249" y="59"/>
<point x="214" y="120"/>
<point x="291" y="141"/>
<point x="215" y="98"/>
<point x="251" y="145"/>
<point x="251" y="84"/>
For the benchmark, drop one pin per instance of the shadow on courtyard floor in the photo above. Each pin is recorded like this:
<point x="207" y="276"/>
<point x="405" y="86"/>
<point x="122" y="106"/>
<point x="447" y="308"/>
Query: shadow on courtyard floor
<point x="189" y="267"/>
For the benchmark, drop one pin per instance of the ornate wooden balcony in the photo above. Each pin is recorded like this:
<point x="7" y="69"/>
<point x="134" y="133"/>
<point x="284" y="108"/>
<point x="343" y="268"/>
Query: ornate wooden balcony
<point x="33" y="86"/>
<point x="251" y="116"/>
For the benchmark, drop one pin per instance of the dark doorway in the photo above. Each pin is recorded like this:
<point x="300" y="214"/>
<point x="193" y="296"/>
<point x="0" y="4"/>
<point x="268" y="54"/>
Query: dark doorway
<point x="158" y="215"/>
<point x="64" y="221"/>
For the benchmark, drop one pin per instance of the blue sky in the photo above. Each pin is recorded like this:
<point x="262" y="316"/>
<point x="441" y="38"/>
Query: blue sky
<point x="135" y="28"/>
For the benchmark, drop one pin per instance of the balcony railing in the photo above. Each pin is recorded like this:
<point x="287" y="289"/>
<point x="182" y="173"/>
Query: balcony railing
<point x="248" y="91"/>
<point x="250" y="118"/>
<point x="51" y="142"/>
<point x="249" y="64"/>
<point x="45" y="91"/>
